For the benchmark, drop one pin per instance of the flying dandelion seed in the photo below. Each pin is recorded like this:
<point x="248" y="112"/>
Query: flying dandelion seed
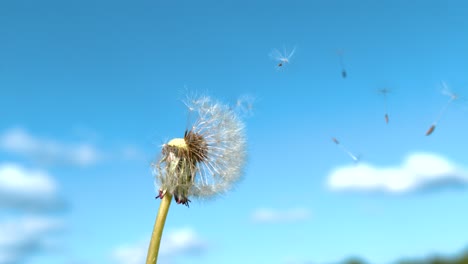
<point x="210" y="157"/>
<point x="344" y="74"/>
<point x="282" y="58"/>
<point x="345" y="150"/>
<point x="430" y="130"/>
<point x="384" y="92"/>
<point x="336" y="141"/>
<point x="452" y="97"/>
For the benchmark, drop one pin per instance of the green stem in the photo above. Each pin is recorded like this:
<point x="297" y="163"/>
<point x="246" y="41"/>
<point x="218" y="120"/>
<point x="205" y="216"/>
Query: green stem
<point x="153" y="249"/>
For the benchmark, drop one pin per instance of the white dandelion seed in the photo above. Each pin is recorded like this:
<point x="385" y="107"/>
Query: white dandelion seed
<point x="209" y="159"/>
<point x="354" y="157"/>
<point x="452" y="98"/>
<point x="384" y="92"/>
<point x="283" y="58"/>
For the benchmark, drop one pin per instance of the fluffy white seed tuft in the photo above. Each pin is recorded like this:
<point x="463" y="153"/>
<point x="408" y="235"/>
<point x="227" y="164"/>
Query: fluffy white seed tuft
<point x="210" y="158"/>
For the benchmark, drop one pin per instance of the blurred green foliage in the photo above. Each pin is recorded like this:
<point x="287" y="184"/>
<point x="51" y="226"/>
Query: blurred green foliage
<point x="459" y="259"/>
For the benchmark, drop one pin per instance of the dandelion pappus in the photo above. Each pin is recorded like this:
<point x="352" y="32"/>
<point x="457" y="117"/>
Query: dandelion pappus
<point x="384" y="92"/>
<point x="452" y="98"/>
<point x="283" y="58"/>
<point x="345" y="150"/>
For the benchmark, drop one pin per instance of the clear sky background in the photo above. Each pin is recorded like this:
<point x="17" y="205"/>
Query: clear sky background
<point x="89" y="90"/>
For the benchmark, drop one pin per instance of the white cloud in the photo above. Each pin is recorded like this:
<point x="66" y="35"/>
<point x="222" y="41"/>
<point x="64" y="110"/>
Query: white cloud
<point x="181" y="242"/>
<point x="264" y="215"/>
<point x="130" y="254"/>
<point x="21" y="238"/>
<point x="48" y="151"/>
<point x="417" y="172"/>
<point x="26" y="189"/>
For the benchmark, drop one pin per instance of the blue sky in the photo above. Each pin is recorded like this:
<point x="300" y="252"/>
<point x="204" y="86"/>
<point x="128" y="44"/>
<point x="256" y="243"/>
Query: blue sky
<point x="89" y="90"/>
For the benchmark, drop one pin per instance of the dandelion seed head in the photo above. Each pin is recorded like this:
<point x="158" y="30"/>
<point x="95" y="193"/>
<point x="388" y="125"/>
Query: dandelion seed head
<point x="209" y="159"/>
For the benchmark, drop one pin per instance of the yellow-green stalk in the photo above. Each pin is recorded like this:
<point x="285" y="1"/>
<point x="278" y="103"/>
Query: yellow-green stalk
<point x="155" y="242"/>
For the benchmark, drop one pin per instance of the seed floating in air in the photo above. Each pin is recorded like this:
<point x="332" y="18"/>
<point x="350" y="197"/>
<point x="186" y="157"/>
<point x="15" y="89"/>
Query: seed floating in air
<point x="384" y="92"/>
<point x="282" y="58"/>
<point x="345" y="150"/>
<point x="343" y="68"/>
<point x="452" y="97"/>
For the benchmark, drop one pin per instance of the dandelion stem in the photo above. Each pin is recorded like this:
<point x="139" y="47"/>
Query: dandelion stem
<point x="153" y="249"/>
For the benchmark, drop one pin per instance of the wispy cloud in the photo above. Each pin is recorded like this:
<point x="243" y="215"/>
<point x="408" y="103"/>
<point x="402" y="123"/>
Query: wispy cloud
<point x="419" y="171"/>
<point x="26" y="189"/>
<point x="48" y="151"/>
<point x="22" y="238"/>
<point x="265" y="215"/>
<point x="181" y="242"/>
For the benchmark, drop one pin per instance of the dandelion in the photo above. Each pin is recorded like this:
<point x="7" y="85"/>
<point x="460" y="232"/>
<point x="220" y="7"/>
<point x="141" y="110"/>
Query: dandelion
<point x="452" y="97"/>
<point x="282" y="57"/>
<point x="206" y="162"/>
